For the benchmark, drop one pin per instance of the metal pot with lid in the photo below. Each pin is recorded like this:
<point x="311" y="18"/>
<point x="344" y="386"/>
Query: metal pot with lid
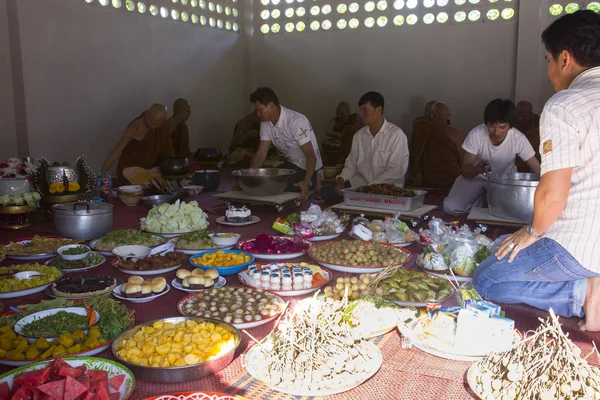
<point x="83" y="220"/>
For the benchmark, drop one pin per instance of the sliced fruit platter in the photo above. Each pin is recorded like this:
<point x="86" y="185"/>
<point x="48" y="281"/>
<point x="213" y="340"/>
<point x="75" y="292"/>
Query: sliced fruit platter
<point x="242" y="307"/>
<point x="93" y="260"/>
<point x="37" y="247"/>
<point x="356" y="256"/>
<point x="265" y="247"/>
<point x="125" y="237"/>
<point x="71" y="378"/>
<point x="15" y="350"/>
<point x="286" y="279"/>
<point x="226" y="262"/>
<point x="25" y="279"/>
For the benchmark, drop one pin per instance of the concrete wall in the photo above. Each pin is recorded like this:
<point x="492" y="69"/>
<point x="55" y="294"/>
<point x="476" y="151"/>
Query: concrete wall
<point x="88" y="71"/>
<point x="8" y="136"/>
<point x="465" y="65"/>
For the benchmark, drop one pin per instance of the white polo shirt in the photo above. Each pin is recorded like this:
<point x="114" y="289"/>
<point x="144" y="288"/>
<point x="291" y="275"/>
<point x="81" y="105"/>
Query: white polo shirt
<point x="382" y="158"/>
<point x="502" y="157"/>
<point x="291" y="131"/>
<point x="570" y="138"/>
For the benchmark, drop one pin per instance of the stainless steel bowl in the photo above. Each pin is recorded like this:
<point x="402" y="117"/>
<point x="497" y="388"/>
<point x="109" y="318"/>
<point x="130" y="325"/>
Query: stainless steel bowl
<point x="83" y="220"/>
<point x="55" y="174"/>
<point x="263" y="181"/>
<point x="178" y="374"/>
<point x="510" y="195"/>
<point x="157" y="199"/>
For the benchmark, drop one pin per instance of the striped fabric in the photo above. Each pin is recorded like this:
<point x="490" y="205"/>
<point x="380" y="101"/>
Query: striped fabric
<point x="570" y="138"/>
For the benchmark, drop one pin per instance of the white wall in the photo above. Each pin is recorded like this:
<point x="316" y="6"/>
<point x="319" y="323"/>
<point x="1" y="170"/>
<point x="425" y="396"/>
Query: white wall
<point x="8" y="137"/>
<point x="89" y="71"/>
<point x="465" y="65"/>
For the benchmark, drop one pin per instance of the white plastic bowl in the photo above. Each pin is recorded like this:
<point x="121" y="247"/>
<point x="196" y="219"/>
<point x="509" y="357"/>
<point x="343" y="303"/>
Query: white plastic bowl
<point x="71" y="257"/>
<point x="38" y="315"/>
<point x="133" y="253"/>
<point x="224" y="241"/>
<point x="26" y="275"/>
<point x="194" y="189"/>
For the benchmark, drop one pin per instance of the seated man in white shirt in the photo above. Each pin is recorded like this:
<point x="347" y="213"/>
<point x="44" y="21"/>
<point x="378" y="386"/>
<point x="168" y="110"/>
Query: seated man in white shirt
<point x="492" y="146"/>
<point x="292" y="135"/>
<point x="379" y="151"/>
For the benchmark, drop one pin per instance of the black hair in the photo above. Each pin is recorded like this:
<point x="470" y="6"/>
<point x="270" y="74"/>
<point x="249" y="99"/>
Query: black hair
<point x="577" y="33"/>
<point x="264" y="95"/>
<point x="375" y="98"/>
<point x="499" y="110"/>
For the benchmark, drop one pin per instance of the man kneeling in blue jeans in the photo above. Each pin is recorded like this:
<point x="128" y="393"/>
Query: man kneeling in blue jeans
<point x="553" y="262"/>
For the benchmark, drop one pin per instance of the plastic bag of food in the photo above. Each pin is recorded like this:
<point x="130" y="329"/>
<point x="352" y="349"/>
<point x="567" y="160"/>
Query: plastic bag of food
<point x="393" y="231"/>
<point x="434" y="262"/>
<point x="313" y="212"/>
<point x="462" y="259"/>
<point x="360" y="228"/>
<point x="438" y="227"/>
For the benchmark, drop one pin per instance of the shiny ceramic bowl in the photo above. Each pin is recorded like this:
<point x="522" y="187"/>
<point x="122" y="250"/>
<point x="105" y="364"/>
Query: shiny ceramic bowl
<point x="130" y="201"/>
<point x="224" y="241"/>
<point x="72" y="257"/>
<point x="263" y="181"/>
<point x="174" y="166"/>
<point x="178" y="374"/>
<point x="130" y="189"/>
<point x="133" y="252"/>
<point x="157" y="199"/>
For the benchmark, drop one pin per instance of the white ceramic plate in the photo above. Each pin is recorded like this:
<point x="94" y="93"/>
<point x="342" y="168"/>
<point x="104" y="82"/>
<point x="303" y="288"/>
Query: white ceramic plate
<point x="323" y="238"/>
<point x="405" y="244"/>
<point x="23" y="293"/>
<point x="247" y="280"/>
<point x="254" y="219"/>
<point x="254" y="355"/>
<point x="115" y="263"/>
<point x="359" y="270"/>
<point x="193" y="252"/>
<point x="78" y="269"/>
<point x="118" y="295"/>
<point x="111" y="254"/>
<point x="113" y="368"/>
<point x="277" y="257"/>
<point x="219" y="283"/>
<point x="34" y="256"/>
<point x="41" y="314"/>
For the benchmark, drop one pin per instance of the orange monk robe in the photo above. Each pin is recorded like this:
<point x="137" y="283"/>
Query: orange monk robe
<point x="440" y="159"/>
<point x="181" y="140"/>
<point x="246" y="133"/>
<point x="146" y="153"/>
<point x="532" y="133"/>
<point x="421" y="127"/>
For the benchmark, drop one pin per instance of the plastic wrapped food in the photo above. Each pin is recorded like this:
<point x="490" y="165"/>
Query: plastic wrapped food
<point x="462" y="259"/>
<point x="360" y="228"/>
<point x="434" y="262"/>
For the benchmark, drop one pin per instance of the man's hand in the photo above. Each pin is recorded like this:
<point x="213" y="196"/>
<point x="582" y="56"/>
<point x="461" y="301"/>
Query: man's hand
<point x="304" y="187"/>
<point x="514" y="244"/>
<point x="339" y="185"/>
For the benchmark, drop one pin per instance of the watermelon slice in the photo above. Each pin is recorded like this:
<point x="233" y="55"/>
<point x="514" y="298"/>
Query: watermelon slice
<point x="24" y="393"/>
<point x="54" y="389"/>
<point x="33" y="378"/>
<point x="115" y="396"/>
<point x="88" y="396"/>
<point x="102" y="394"/>
<point x="85" y="381"/>
<point x="72" y="372"/>
<point x="4" y="391"/>
<point x="97" y="375"/>
<point x="116" y="381"/>
<point x="73" y="389"/>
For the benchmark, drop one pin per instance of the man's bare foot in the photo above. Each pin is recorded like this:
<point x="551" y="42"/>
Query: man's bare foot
<point x="591" y="306"/>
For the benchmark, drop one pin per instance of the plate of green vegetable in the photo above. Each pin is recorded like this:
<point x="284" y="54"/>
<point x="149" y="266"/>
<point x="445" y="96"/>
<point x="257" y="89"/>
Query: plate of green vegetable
<point x="50" y="324"/>
<point x="93" y="260"/>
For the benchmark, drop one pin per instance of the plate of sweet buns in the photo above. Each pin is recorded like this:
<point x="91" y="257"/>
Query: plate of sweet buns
<point x="140" y="290"/>
<point x="197" y="280"/>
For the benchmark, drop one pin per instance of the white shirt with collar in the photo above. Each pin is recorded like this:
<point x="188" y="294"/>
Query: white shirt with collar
<point x="291" y="131"/>
<point x="382" y="158"/>
<point x="570" y="138"/>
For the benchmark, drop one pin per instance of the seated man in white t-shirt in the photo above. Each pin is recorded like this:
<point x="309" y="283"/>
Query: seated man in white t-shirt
<point x="492" y="146"/>
<point x="291" y="133"/>
<point x="379" y="151"/>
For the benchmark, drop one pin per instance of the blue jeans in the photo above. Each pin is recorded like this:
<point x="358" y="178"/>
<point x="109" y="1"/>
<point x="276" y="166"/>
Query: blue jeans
<point x="543" y="275"/>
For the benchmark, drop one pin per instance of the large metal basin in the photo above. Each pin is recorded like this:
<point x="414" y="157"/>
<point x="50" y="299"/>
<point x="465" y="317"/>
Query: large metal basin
<point x="510" y="195"/>
<point x="263" y="181"/>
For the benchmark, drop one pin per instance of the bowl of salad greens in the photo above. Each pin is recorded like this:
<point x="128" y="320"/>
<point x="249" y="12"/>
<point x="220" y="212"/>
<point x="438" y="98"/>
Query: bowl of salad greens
<point x="73" y="252"/>
<point x="174" y="219"/>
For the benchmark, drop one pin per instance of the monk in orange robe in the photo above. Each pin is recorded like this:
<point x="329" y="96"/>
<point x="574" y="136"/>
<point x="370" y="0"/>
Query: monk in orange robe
<point x="442" y="154"/>
<point x="178" y="128"/>
<point x="143" y="144"/>
<point x="421" y="126"/>
<point x="528" y="123"/>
